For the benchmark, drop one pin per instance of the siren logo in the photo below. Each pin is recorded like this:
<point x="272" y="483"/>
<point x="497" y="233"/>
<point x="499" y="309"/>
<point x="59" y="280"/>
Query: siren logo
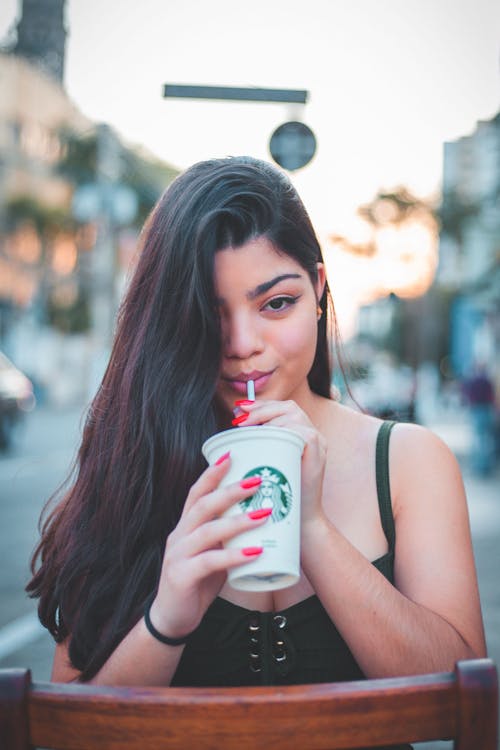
<point x="274" y="492"/>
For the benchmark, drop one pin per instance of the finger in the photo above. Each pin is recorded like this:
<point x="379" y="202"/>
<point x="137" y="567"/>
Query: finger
<point x="215" y="561"/>
<point x="215" y="503"/>
<point x="261" y="412"/>
<point x="209" y="480"/>
<point x="217" y="532"/>
<point x="307" y="432"/>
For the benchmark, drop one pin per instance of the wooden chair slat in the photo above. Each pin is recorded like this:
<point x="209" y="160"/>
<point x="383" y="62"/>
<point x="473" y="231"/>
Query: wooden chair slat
<point x="477" y="705"/>
<point x="462" y="706"/>
<point x="14" y="688"/>
<point x="364" y="713"/>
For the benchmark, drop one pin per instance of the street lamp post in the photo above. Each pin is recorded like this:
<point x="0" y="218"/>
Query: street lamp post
<point x="292" y="145"/>
<point x="235" y="94"/>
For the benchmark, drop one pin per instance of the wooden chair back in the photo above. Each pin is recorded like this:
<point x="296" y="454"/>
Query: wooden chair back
<point x="462" y="705"/>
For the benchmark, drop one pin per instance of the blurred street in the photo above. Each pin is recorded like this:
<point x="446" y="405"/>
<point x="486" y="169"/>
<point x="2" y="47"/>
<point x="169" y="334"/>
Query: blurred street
<point x="40" y="461"/>
<point x="403" y="192"/>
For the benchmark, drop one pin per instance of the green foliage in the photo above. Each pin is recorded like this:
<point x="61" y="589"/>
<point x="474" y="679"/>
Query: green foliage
<point x="394" y="207"/>
<point x="79" y="161"/>
<point x="24" y="208"/>
<point x="147" y="176"/>
<point x="69" y="318"/>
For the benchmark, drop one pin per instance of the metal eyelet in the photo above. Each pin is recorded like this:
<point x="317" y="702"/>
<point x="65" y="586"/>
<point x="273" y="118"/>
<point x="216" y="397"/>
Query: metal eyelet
<point x="254" y="626"/>
<point x="255" y="662"/>
<point x="280" y="621"/>
<point x="280" y="656"/>
<point x="254" y="631"/>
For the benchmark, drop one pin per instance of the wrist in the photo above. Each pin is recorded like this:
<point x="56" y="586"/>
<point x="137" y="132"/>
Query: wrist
<point x="314" y="531"/>
<point x="314" y="524"/>
<point x="161" y="633"/>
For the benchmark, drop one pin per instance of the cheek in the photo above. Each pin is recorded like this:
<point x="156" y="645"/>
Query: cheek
<point x="299" y="343"/>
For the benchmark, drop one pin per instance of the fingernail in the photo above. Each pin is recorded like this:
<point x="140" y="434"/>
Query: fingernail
<point x="239" y="420"/>
<point x="223" y="458"/>
<point x="249" y="482"/>
<point x="249" y="551"/>
<point x="243" y="402"/>
<point x="255" y="515"/>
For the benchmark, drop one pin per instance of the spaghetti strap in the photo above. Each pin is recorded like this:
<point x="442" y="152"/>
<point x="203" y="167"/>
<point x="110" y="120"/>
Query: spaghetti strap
<point x="383" y="484"/>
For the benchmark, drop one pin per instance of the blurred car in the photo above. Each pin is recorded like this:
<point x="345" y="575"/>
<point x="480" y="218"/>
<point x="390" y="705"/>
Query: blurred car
<point x="16" y="398"/>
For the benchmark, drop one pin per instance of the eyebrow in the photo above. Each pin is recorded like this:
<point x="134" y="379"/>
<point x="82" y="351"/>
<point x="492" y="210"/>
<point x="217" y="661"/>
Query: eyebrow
<point x="263" y="288"/>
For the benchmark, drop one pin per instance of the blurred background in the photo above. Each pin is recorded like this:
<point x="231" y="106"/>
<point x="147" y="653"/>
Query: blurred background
<point x="394" y="148"/>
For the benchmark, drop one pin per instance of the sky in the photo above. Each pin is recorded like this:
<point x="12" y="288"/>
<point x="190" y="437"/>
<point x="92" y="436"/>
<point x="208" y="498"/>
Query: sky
<point x="389" y="81"/>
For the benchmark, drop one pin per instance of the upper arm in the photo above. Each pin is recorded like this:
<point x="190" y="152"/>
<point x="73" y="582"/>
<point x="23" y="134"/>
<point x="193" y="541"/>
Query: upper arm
<point x="62" y="670"/>
<point x="434" y="562"/>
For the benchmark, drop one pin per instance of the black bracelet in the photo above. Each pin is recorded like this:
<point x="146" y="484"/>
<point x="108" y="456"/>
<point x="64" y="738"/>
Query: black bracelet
<point x="159" y="636"/>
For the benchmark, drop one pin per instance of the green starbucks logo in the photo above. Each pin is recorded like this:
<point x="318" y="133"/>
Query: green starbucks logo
<point x="274" y="492"/>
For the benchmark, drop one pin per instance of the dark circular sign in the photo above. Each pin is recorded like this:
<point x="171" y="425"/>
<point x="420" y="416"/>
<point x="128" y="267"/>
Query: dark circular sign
<point x="292" y="145"/>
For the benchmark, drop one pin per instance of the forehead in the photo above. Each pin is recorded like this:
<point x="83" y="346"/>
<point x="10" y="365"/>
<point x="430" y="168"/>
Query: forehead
<point x="256" y="261"/>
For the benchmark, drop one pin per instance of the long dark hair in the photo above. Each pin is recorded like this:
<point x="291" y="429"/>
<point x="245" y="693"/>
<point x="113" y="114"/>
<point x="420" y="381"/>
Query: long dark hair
<point x="101" y="547"/>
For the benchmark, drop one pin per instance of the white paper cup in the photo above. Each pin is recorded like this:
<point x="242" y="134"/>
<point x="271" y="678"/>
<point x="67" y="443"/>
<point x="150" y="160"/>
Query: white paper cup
<point x="274" y="454"/>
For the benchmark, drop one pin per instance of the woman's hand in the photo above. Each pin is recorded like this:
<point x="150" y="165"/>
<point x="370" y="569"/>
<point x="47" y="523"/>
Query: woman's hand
<point x="195" y="564"/>
<point x="288" y="414"/>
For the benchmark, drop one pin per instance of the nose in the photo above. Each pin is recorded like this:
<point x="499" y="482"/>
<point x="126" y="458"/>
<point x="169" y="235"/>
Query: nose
<point x="241" y="336"/>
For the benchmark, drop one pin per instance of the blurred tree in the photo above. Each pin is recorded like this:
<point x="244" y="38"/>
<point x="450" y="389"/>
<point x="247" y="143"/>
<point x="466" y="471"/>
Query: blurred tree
<point x="402" y="232"/>
<point x="68" y="308"/>
<point x="387" y="208"/>
<point x="79" y="157"/>
<point x="39" y="238"/>
<point x="146" y="175"/>
<point x="395" y="207"/>
<point x="31" y="223"/>
<point x="25" y="208"/>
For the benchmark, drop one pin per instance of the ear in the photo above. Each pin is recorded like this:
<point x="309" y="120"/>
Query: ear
<point x="320" y="283"/>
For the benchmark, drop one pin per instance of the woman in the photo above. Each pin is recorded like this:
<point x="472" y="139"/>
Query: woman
<point x="230" y="285"/>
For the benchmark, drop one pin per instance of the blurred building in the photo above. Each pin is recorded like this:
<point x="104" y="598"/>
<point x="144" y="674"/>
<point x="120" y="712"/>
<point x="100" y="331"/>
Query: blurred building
<point x="34" y="110"/>
<point x="469" y="264"/>
<point x="34" y="107"/>
<point x="41" y="36"/>
<point x="72" y="199"/>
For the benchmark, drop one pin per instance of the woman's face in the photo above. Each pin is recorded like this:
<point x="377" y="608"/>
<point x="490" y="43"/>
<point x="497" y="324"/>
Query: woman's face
<point x="268" y="309"/>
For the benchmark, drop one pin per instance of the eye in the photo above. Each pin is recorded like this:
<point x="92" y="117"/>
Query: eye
<point x="280" y="304"/>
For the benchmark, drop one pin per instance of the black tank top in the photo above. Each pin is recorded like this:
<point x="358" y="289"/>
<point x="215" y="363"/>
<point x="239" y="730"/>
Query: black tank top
<point x="235" y="646"/>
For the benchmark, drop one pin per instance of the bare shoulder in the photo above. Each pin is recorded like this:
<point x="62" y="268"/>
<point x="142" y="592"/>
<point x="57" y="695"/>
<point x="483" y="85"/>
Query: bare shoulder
<point x="419" y="459"/>
<point x="349" y="422"/>
<point x="408" y="435"/>
<point x="421" y="465"/>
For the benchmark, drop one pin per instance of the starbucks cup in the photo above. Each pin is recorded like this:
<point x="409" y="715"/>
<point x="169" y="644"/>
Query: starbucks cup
<point x="273" y="454"/>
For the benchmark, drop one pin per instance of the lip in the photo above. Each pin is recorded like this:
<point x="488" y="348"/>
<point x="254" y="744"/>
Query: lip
<point x="239" y="382"/>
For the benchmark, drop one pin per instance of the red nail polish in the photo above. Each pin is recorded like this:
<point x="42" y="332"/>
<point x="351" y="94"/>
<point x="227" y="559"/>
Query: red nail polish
<point x="223" y="458"/>
<point x="249" y="482"/>
<point x="256" y="515"/>
<point x="243" y="402"/>
<point x="238" y="420"/>
<point x="250" y="551"/>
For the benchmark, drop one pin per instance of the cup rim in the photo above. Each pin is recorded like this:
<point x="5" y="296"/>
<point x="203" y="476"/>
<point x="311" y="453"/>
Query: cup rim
<point x="237" y="434"/>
